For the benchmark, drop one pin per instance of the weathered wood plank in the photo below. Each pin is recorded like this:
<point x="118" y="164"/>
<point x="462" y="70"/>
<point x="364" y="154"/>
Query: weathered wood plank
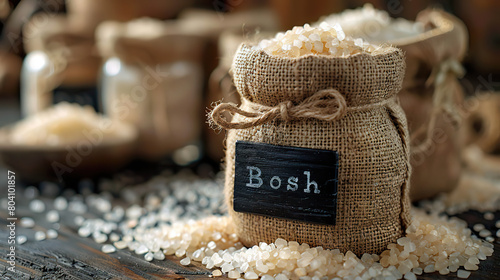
<point x="73" y="257"/>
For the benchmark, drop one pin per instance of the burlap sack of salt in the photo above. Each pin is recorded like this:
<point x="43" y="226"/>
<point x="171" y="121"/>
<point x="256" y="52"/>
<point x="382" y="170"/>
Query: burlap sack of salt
<point x="343" y="104"/>
<point x="431" y="95"/>
<point x="432" y="99"/>
<point x="166" y="100"/>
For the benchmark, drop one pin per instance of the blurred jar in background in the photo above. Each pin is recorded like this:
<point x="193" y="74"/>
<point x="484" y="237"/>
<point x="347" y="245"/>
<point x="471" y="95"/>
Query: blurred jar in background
<point x="152" y="77"/>
<point x="60" y="65"/>
<point x="224" y="32"/>
<point x="62" y="62"/>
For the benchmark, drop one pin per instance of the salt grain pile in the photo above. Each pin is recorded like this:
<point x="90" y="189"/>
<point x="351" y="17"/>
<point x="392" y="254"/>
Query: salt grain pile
<point x="177" y="218"/>
<point x="322" y="40"/>
<point x="65" y="124"/>
<point x="433" y="243"/>
<point x="473" y="193"/>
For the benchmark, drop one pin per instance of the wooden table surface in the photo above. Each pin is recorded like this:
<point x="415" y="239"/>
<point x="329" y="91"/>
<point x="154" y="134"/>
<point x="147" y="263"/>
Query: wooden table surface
<point x="73" y="257"/>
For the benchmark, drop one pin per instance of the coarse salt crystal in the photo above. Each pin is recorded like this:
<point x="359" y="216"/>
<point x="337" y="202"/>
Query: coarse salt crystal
<point x="27" y="222"/>
<point x="478" y="227"/>
<point x="484" y="233"/>
<point x="233" y="274"/>
<point x="107" y="248"/>
<point x="159" y="255"/>
<point x="322" y="40"/>
<point x="60" y="203"/>
<point x="40" y="235"/>
<point x="52" y="234"/>
<point x="52" y="216"/>
<point x="185" y="261"/>
<point x="417" y="270"/>
<point x="470" y="266"/>
<point x="149" y="256"/>
<point x="121" y="244"/>
<point x="410" y="276"/>
<point x="463" y="274"/>
<point x="251" y="275"/>
<point x="281" y="277"/>
<point x="37" y="206"/>
<point x="142" y="249"/>
<point x="489" y="216"/>
<point x="21" y="239"/>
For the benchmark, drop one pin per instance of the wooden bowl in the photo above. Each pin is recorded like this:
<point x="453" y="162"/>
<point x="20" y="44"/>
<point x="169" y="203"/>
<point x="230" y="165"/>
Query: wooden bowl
<point x="87" y="159"/>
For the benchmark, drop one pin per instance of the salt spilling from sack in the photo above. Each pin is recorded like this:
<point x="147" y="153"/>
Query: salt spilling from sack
<point x="165" y="225"/>
<point x="473" y="193"/>
<point x="433" y="243"/>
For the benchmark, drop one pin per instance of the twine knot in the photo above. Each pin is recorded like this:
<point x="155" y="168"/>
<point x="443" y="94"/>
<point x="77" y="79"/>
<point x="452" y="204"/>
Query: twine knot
<point x="326" y="105"/>
<point x="284" y="108"/>
<point x="442" y="70"/>
<point x="443" y="101"/>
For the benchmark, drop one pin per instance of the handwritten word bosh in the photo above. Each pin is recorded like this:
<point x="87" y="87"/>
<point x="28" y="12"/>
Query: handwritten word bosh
<point x="255" y="181"/>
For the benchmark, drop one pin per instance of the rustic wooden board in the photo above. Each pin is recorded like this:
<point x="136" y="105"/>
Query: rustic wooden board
<point x="286" y="182"/>
<point x="73" y="257"/>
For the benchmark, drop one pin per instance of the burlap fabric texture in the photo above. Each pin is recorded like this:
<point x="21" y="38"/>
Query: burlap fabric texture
<point x="432" y="99"/>
<point x="431" y="96"/>
<point x="332" y="103"/>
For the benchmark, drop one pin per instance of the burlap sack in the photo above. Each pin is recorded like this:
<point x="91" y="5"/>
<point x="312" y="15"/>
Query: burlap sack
<point x="342" y="104"/>
<point x="431" y="94"/>
<point x="431" y="98"/>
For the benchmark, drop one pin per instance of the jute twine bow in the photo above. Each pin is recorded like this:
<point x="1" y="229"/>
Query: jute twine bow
<point x="442" y="100"/>
<point x="325" y="105"/>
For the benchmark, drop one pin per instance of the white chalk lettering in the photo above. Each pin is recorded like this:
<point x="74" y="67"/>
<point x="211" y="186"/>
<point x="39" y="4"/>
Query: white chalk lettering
<point x="309" y="183"/>
<point x="256" y="180"/>
<point x="292" y="184"/>
<point x="275" y="178"/>
<point x="253" y="177"/>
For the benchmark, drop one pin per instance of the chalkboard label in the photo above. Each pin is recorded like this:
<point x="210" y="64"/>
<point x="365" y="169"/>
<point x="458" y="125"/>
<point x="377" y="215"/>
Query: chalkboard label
<point x="286" y="182"/>
<point x="79" y="95"/>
